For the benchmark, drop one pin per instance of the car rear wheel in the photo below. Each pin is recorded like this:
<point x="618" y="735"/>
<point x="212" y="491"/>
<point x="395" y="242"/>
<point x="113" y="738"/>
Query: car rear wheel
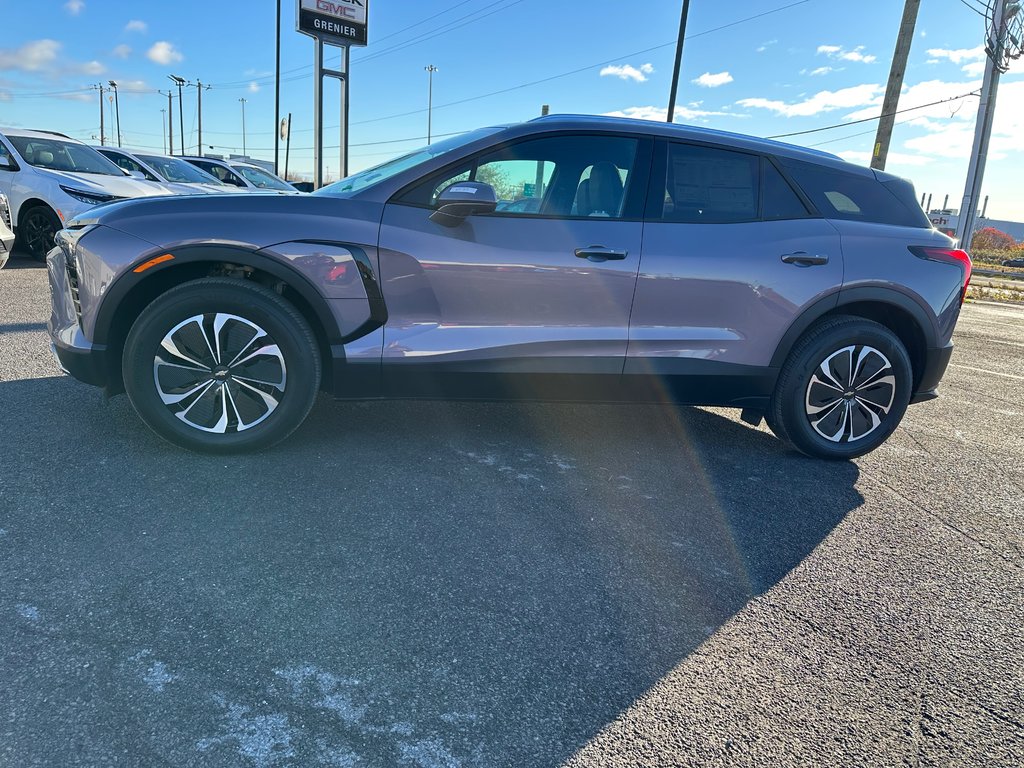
<point x="36" y="232"/>
<point x="843" y="390"/>
<point x="221" y="366"/>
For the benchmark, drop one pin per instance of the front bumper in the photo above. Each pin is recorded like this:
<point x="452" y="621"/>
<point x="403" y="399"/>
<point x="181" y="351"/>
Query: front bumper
<point x="75" y="354"/>
<point x="6" y="241"/>
<point x="935" y="363"/>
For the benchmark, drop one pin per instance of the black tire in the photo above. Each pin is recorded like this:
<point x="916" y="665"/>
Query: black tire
<point x="37" y="228"/>
<point x="828" y="422"/>
<point x="219" y="315"/>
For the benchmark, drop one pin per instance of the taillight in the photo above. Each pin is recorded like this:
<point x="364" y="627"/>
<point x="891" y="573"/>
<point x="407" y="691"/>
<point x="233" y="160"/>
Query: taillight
<point x="947" y="256"/>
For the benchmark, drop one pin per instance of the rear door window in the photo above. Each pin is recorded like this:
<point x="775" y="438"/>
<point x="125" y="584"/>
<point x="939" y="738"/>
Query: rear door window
<point x="779" y="201"/>
<point x="710" y="185"/>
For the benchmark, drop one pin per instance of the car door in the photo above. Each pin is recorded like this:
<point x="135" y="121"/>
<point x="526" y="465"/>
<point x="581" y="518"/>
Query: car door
<point x="8" y="167"/>
<point x="732" y="255"/>
<point x="542" y="287"/>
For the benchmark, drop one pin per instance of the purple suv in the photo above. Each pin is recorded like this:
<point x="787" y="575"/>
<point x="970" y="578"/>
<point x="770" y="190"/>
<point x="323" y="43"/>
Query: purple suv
<point x="568" y="258"/>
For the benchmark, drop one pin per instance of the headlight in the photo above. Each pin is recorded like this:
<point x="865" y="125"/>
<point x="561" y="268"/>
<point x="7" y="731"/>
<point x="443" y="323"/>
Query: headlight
<point x="90" y="198"/>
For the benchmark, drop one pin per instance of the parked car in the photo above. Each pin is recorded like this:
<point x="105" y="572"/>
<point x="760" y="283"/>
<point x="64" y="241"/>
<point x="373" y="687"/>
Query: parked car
<point x="6" y="233"/>
<point x="180" y="177"/>
<point x="664" y="264"/>
<point x="50" y="178"/>
<point x="244" y="175"/>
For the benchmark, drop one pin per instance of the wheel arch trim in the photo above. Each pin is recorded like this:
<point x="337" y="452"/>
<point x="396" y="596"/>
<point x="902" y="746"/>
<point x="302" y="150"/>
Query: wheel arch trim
<point x="880" y="295"/>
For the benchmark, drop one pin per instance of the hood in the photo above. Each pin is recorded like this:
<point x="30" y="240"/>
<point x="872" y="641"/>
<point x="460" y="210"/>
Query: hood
<point x="119" y="186"/>
<point x="249" y="221"/>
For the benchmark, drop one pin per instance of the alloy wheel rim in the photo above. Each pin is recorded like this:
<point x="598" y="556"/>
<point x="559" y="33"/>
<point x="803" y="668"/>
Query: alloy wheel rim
<point x="850" y="394"/>
<point x="219" y="373"/>
<point x="38" y="230"/>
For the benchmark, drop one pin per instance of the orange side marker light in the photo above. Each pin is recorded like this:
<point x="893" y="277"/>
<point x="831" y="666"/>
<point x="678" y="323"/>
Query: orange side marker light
<point x="153" y="262"/>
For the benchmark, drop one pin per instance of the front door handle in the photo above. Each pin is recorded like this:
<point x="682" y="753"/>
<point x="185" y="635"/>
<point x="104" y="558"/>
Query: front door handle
<point x="802" y="259"/>
<point x="600" y="253"/>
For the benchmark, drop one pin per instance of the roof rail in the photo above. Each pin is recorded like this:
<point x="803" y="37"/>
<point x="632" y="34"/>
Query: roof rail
<point x="52" y="133"/>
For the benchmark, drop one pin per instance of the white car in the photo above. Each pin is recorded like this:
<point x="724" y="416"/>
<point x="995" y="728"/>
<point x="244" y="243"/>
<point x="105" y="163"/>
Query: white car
<point x="243" y="175"/>
<point x="177" y="175"/>
<point x="50" y="178"/>
<point x="6" y="233"/>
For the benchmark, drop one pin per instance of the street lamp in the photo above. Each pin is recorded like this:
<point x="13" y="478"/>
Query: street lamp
<point x="242" y="100"/>
<point x="163" y="127"/>
<point x="430" y="69"/>
<point x="180" y="82"/>
<point x="117" y="111"/>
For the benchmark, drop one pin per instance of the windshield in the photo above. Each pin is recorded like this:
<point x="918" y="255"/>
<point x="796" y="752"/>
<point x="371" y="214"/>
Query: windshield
<point x="58" y="155"/>
<point x="352" y="184"/>
<point x="260" y="178"/>
<point x="173" y="169"/>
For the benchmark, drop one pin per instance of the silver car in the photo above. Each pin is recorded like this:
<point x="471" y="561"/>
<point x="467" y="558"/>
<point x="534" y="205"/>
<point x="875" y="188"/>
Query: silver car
<point x="659" y="263"/>
<point x="174" y="173"/>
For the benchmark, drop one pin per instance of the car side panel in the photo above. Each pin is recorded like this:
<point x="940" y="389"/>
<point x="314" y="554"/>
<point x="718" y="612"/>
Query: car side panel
<point x="877" y="255"/>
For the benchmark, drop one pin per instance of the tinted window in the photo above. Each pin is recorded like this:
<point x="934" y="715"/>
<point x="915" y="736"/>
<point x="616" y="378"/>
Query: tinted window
<point x="57" y="155"/>
<point x="706" y="185"/>
<point x="779" y="201"/>
<point x="173" y="169"/>
<point x="843" y="195"/>
<point x="6" y="161"/>
<point x="260" y="178"/>
<point x="564" y="176"/>
<point x="125" y="162"/>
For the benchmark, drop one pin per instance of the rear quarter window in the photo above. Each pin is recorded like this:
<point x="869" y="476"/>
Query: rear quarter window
<point x="841" y="195"/>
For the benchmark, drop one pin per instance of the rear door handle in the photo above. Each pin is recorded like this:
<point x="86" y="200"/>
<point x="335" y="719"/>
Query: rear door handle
<point x="600" y="253"/>
<point x="802" y="259"/>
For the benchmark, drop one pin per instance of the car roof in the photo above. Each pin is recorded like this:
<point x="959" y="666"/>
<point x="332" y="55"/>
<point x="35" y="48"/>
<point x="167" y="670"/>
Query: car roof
<point x="37" y="134"/>
<point x="683" y="131"/>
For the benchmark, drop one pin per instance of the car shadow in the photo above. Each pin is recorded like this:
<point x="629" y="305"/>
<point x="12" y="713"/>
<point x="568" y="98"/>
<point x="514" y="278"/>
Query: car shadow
<point x="463" y="583"/>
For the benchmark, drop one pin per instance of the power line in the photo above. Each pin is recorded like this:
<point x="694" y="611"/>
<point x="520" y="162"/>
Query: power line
<point x="869" y="119"/>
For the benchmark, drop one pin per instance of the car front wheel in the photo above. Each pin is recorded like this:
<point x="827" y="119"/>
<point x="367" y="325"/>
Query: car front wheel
<point x="221" y="366"/>
<point x="843" y="390"/>
<point x="37" y="230"/>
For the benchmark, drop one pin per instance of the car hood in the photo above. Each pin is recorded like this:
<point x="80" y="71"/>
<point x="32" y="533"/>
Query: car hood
<point x="248" y="221"/>
<point x="119" y="186"/>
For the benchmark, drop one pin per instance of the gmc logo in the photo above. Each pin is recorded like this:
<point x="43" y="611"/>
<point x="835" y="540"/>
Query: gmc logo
<point x="341" y="8"/>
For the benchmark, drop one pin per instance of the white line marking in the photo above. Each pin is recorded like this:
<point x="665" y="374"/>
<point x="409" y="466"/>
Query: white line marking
<point x="990" y="373"/>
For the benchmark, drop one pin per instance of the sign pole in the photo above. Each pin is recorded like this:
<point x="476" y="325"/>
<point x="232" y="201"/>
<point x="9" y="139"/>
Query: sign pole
<point x="318" y="114"/>
<point x="344" y="112"/>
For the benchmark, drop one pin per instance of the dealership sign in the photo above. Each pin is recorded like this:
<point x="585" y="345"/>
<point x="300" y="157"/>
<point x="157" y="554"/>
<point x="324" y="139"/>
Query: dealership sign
<point x="338" y="22"/>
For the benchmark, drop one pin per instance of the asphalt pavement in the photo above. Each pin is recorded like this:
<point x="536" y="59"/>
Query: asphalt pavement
<point x="475" y="585"/>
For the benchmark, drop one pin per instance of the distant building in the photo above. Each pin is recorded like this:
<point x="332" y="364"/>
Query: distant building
<point x="945" y="221"/>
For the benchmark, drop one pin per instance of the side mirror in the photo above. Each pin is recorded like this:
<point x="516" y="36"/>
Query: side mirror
<point x="462" y="200"/>
<point x="137" y="175"/>
<point x="7" y="163"/>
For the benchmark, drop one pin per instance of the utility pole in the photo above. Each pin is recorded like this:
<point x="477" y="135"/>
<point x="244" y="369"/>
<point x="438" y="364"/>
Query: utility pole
<point x="242" y="100"/>
<point x="163" y="127"/>
<point x="180" y="82"/>
<point x="679" y="61"/>
<point x="170" y="122"/>
<point x="103" y="140"/>
<point x="431" y="69"/>
<point x="117" y="111"/>
<point x="1005" y="14"/>
<point x="277" y="89"/>
<point x="198" y="85"/>
<point x="892" y="91"/>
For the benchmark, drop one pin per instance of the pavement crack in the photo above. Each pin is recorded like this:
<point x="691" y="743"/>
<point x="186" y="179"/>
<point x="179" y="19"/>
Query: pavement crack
<point x="939" y="518"/>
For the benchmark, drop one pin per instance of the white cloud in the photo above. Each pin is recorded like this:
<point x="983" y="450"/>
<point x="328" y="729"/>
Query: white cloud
<point x="823" y="101"/>
<point x="766" y="45"/>
<point x="74" y="7"/>
<point x="974" y="69"/>
<point x="839" y="53"/>
<point x="135" y="26"/>
<point x="92" y="68"/>
<point x="958" y="55"/>
<point x="254" y="87"/>
<point x="925" y="93"/>
<point x="892" y="158"/>
<point x="628" y="72"/>
<point x="31" y="57"/>
<point x="660" y="114"/>
<point x="5" y="96"/>
<point x="708" y="80"/>
<point x="818" y="72"/>
<point x="163" y="52"/>
<point x="122" y="51"/>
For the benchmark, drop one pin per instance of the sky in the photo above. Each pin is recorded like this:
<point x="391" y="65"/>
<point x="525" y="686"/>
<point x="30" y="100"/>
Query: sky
<point x="760" y="67"/>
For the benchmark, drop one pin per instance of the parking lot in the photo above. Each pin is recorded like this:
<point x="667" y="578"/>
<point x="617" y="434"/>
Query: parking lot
<point x="431" y="584"/>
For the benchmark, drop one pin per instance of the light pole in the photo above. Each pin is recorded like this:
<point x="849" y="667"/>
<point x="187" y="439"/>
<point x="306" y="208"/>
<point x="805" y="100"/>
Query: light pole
<point x="180" y="82"/>
<point x="103" y="139"/>
<point x="163" y="127"/>
<point x="117" y="111"/>
<point x="242" y="100"/>
<point x="198" y="85"/>
<point x="430" y="69"/>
